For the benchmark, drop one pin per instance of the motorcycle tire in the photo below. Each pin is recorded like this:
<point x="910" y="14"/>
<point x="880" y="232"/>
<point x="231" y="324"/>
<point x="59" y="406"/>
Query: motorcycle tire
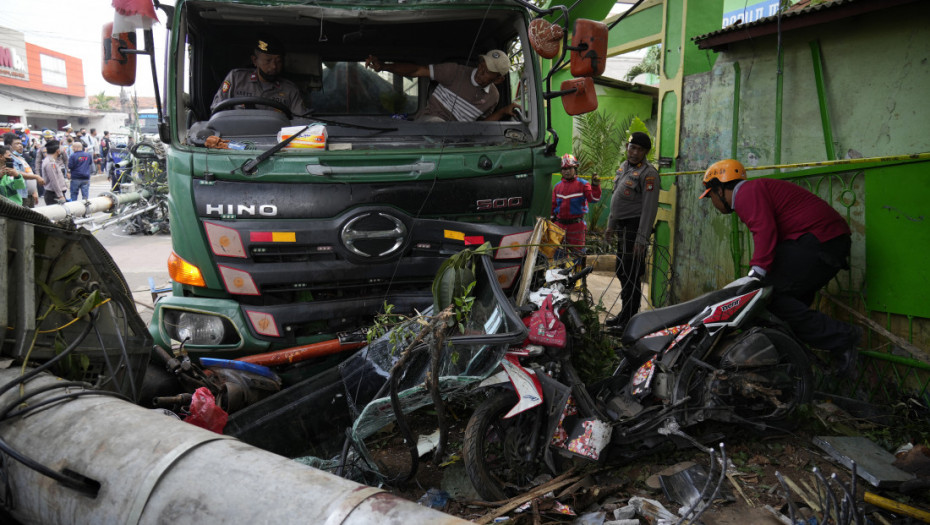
<point x="784" y="386"/>
<point x="494" y="448"/>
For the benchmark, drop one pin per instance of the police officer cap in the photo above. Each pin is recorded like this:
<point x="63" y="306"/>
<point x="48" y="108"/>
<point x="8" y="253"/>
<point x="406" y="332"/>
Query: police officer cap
<point x="269" y="44"/>
<point x="641" y="139"/>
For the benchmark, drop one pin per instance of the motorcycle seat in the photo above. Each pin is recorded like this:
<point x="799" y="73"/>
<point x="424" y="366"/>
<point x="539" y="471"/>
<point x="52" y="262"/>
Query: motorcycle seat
<point x="645" y="323"/>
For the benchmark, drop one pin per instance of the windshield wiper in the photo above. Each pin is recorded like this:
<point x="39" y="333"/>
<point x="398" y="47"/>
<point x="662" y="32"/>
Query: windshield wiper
<point x="348" y="125"/>
<point x="248" y="167"/>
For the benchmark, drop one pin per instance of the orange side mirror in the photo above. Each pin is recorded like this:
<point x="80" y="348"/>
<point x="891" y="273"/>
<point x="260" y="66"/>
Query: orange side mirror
<point x="118" y="68"/>
<point x="546" y="38"/>
<point x="583" y="99"/>
<point x="589" y="48"/>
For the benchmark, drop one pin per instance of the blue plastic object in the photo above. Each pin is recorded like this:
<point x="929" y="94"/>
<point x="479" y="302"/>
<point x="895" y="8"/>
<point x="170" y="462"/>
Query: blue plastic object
<point x="239" y="365"/>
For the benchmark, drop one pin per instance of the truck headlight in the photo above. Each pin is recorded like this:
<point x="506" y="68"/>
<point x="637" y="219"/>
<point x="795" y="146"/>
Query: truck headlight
<point x="199" y="329"/>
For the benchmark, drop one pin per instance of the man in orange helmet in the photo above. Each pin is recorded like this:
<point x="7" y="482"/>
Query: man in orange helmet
<point x="800" y="242"/>
<point x="570" y="199"/>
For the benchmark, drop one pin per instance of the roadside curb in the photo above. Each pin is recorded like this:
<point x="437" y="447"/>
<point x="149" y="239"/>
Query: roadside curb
<point x="602" y="262"/>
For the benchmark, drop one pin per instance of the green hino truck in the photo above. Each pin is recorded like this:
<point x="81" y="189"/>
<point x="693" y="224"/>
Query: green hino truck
<point x="275" y="245"/>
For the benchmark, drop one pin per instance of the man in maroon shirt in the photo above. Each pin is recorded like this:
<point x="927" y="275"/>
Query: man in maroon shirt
<point x="800" y="242"/>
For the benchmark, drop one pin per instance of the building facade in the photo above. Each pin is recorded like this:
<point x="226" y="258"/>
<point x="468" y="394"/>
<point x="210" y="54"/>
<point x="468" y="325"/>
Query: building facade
<point x="44" y="89"/>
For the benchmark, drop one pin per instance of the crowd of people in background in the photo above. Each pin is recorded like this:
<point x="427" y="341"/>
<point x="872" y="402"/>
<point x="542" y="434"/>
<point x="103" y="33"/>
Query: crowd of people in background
<point x="27" y="179"/>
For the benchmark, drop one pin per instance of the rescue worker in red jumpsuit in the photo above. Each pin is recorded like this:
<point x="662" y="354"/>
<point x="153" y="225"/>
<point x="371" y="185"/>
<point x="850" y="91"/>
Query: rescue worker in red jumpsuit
<point x="570" y="199"/>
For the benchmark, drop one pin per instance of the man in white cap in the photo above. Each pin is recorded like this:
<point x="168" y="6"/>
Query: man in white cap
<point x="464" y="93"/>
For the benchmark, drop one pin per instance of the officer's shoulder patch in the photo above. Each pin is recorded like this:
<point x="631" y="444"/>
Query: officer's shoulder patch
<point x="226" y="86"/>
<point x="650" y="183"/>
<point x="253" y="77"/>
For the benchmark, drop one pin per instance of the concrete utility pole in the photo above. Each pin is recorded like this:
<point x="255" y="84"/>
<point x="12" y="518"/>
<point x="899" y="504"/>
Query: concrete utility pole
<point x="128" y="464"/>
<point x="106" y="202"/>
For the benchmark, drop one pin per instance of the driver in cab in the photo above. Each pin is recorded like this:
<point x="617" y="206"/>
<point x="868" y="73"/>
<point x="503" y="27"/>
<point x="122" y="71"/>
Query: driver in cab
<point x="264" y="80"/>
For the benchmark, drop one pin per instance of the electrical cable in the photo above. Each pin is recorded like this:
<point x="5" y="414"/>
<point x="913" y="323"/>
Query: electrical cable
<point x="69" y="323"/>
<point x="106" y="357"/>
<point x="122" y="347"/>
<point x="68" y="396"/>
<point x="83" y="486"/>
<point x="41" y="390"/>
<point x="51" y="362"/>
<point x="624" y="15"/>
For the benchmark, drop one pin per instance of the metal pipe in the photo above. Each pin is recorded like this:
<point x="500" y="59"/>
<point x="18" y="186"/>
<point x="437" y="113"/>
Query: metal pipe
<point x="123" y="218"/>
<point x="897" y="507"/>
<point x="103" y="202"/>
<point x="734" y="127"/>
<point x="736" y="251"/>
<point x="817" y="60"/>
<point x="152" y="468"/>
<point x="899" y="360"/>
<point x="779" y="91"/>
<point x="301" y="353"/>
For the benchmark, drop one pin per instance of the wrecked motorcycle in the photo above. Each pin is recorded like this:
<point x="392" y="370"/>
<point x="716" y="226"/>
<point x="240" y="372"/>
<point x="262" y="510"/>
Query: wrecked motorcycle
<point x="719" y="357"/>
<point x="382" y="380"/>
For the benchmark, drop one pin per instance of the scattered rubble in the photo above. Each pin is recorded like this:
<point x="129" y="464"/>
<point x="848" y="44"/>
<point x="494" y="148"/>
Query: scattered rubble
<point x="632" y="493"/>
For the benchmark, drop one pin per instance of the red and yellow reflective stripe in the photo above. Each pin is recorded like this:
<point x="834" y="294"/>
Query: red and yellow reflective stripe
<point x="272" y="236"/>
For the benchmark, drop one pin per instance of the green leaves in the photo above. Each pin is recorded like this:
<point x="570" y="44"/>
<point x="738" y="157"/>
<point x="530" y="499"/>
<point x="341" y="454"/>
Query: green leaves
<point x="650" y="64"/>
<point x="463" y="304"/>
<point x="90" y="302"/>
<point x="384" y="322"/>
<point x="454" y="282"/>
<point x="595" y="357"/>
<point x="454" y="275"/>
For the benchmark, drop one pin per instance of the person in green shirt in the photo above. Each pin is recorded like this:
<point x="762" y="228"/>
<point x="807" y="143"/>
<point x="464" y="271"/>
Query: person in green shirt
<point x="12" y="180"/>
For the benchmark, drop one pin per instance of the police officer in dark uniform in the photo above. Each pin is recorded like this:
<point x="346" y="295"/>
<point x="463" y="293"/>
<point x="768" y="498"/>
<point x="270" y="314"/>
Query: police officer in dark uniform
<point x="633" y="208"/>
<point x="264" y="80"/>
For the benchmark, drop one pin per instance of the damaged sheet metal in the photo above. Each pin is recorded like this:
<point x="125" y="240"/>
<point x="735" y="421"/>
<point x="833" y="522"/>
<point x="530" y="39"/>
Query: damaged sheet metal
<point x="466" y="359"/>
<point x="684" y="487"/>
<point x="874" y="463"/>
<point x="54" y="279"/>
<point x="311" y="417"/>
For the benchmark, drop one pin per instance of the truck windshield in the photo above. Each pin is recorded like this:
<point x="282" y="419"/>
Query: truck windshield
<point x="358" y="214"/>
<point x="326" y="49"/>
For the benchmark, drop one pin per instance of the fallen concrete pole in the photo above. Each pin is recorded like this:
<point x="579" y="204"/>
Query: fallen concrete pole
<point x="153" y="468"/>
<point x="105" y="202"/>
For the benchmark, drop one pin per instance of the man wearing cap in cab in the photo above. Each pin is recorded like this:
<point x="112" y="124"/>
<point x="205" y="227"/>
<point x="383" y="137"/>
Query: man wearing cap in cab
<point x="464" y="93"/>
<point x="633" y="208"/>
<point x="264" y="80"/>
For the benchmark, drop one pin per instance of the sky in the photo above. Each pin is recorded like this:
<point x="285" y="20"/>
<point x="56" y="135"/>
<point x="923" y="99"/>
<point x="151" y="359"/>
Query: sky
<point x="75" y="27"/>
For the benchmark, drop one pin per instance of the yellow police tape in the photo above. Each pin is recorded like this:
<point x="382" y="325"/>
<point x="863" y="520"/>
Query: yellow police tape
<point x="840" y="162"/>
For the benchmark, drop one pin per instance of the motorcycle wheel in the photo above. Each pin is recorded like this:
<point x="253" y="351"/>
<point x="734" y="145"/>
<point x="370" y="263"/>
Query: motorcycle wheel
<point x="776" y="390"/>
<point x="495" y="449"/>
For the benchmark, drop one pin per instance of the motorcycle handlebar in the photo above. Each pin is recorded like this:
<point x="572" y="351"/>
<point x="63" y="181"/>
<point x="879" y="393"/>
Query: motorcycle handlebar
<point x="573" y="278"/>
<point x="575" y="318"/>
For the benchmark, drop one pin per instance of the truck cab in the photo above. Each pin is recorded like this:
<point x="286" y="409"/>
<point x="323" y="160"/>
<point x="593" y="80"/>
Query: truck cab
<point x="277" y="245"/>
